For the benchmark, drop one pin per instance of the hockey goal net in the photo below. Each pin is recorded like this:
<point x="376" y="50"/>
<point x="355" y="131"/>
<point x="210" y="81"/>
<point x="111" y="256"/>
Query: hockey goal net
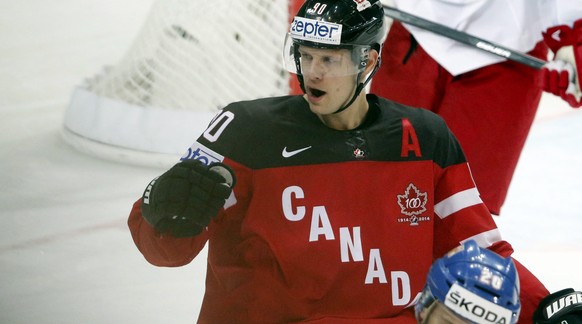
<point x="190" y="59"/>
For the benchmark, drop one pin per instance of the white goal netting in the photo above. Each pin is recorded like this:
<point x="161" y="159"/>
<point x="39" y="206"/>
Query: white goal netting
<point x="190" y="59"/>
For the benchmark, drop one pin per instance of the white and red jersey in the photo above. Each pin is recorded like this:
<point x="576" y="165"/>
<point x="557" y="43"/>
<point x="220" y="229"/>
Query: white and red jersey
<point x="516" y="24"/>
<point x="326" y="225"/>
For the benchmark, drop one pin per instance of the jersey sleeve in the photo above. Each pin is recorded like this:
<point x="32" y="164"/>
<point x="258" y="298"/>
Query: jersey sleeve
<point x="162" y="250"/>
<point x="532" y="291"/>
<point x="215" y="144"/>
<point x="460" y="214"/>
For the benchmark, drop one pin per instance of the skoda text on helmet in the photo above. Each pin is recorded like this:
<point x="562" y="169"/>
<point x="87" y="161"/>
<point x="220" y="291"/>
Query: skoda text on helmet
<point x="355" y="25"/>
<point x="475" y="283"/>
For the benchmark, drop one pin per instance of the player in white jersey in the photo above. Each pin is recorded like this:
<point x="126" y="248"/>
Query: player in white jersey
<point x="488" y="103"/>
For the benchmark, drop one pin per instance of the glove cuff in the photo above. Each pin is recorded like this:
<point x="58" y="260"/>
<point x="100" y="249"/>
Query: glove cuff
<point x="559" y="307"/>
<point x="146" y="209"/>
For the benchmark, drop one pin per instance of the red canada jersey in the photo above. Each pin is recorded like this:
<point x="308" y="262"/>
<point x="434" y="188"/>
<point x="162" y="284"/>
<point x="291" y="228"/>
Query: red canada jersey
<point x="326" y="225"/>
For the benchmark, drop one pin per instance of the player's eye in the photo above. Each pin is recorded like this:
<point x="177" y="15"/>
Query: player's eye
<point x="330" y="59"/>
<point x="306" y="57"/>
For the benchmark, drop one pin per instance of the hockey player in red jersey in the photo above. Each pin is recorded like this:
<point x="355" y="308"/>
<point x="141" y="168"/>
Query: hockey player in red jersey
<point x="336" y="202"/>
<point x="489" y="103"/>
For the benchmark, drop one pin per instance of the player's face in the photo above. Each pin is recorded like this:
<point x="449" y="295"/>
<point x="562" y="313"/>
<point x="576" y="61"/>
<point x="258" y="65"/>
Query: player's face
<point x="318" y="62"/>
<point x="329" y="76"/>
<point x="437" y="313"/>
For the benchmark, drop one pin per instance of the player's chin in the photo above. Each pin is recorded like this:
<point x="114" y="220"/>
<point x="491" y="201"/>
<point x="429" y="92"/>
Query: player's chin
<point x="321" y="109"/>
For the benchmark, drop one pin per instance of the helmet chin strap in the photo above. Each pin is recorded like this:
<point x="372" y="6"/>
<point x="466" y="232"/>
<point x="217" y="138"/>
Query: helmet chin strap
<point x="359" y="88"/>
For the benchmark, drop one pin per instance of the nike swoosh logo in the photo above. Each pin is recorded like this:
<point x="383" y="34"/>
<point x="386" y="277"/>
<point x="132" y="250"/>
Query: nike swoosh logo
<point x="287" y="154"/>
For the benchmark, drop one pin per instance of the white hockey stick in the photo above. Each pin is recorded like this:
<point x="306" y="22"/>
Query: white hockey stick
<point x="464" y="38"/>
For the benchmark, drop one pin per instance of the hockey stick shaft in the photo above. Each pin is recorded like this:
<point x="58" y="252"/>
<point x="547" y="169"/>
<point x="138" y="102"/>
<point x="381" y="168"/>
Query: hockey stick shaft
<point x="464" y="38"/>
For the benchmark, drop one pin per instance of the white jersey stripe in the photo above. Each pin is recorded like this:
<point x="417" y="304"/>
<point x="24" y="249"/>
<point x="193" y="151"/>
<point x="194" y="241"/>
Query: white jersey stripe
<point x="458" y="201"/>
<point x="486" y="239"/>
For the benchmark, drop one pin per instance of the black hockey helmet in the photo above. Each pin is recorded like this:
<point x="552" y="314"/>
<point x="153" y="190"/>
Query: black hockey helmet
<point x="357" y="25"/>
<point x="361" y="21"/>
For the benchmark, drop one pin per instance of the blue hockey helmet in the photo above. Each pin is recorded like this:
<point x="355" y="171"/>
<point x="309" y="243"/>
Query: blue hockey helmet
<point x="475" y="283"/>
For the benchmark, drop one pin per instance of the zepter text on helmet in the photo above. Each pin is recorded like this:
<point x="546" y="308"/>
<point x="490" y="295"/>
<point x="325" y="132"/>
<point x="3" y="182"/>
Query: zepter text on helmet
<point x="316" y="31"/>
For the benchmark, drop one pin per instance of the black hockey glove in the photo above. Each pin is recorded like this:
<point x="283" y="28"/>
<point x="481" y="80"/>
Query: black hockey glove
<point x="184" y="199"/>
<point x="564" y="306"/>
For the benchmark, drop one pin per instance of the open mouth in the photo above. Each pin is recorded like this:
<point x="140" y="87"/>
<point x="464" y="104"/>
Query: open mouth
<point x="316" y="92"/>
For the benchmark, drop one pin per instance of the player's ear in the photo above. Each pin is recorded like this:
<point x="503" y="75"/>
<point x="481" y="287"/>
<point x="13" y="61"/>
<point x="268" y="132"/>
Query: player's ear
<point x="372" y="61"/>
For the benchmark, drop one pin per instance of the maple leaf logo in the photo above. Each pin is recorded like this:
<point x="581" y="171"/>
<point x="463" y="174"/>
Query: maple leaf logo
<point x="412" y="202"/>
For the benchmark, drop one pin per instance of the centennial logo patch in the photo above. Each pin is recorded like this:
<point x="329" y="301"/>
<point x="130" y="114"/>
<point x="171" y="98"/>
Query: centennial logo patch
<point x="412" y="204"/>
